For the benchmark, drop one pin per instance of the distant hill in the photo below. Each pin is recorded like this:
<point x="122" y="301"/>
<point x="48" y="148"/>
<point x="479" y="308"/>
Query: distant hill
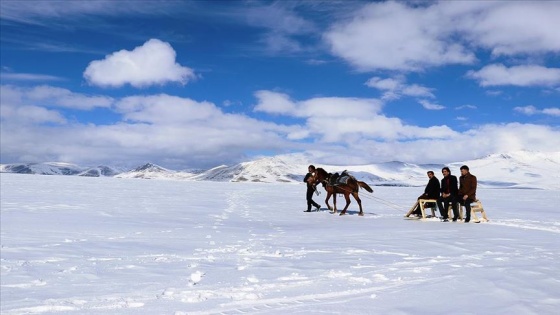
<point x="153" y="171"/>
<point x="58" y="168"/>
<point x="51" y="168"/>
<point x="521" y="169"/>
<point x="99" y="171"/>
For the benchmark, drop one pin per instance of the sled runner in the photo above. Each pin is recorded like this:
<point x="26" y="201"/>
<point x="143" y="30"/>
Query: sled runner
<point x="423" y="203"/>
<point x="475" y="207"/>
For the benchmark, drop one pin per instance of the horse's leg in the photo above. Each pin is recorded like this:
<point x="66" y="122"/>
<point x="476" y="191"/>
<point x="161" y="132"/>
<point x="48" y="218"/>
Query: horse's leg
<point x="347" y="197"/>
<point x="329" y="194"/>
<point x="359" y="201"/>
<point x="334" y="202"/>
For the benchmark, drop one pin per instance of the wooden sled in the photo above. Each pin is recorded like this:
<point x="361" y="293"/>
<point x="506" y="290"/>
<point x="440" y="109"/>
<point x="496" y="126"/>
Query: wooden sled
<point x="475" y="207"/>
<point x="450" y="213"/>
<point x="422" y="203"/>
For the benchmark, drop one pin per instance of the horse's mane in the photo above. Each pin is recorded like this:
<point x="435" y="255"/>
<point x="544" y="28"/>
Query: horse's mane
<point x="322" y="172"/>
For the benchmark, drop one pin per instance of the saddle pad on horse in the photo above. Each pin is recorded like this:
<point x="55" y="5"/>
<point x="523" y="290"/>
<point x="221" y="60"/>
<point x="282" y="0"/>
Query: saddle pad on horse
<point x="342" y="180"/>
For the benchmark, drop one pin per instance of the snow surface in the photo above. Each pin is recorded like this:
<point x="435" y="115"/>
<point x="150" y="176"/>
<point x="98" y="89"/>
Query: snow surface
<point x="81" y="245"/>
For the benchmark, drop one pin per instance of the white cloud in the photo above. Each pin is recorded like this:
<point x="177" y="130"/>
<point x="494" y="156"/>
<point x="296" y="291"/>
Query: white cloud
<point x="165" y="109"/>
<point x="395" y="36"/>
<point x="282" y="25"/>
<point x="388" y="84"/>
<point x="228" y="103"/>
<point x="7" y="76"/>
<point x="527" y="110"/>
<point x="417" y="90"/>
<point x="509" y="27"/>
<point x="527" y="75"/>
<point x="514" y="137"/>
<point x="553" y="111"/>
<point x="49" y="96"/>
<point x="153" y="63"/>
<point x="494" y="93"/>
<point x="275" y="103"/>
<point x="431" y="106"/>
<point x="411" y="37"/>
<point x="468" y="106"/>
<point x="158" y="128"/>
<point x="339" y="107"/>
<point x="532" y="110"/>
<point x="316" y="62"/>
<point x="280" y="43"/>
<point x="44" y="12"/>
<point x="27" y="114"/>
<point x="279" y="103"/>
<point x="335" y="119"/>
<point x="480" y="141"/>
<point x="25" y="106"/>
<point x="278" y="18"/>
<point x="180" y="132"/>
<point x="395" y="87"/>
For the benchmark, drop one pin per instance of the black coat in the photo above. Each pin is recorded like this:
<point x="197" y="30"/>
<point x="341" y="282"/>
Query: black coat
<point x="309" y="186"/>
<point x="453" y="190"/>
<point x="432" y="189"/>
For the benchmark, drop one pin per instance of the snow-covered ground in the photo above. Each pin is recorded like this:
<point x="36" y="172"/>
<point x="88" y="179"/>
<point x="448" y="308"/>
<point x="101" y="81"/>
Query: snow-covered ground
<point x="80" y="245"/>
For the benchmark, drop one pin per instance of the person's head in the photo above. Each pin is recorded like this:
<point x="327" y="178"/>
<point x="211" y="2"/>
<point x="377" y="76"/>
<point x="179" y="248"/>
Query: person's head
<point x="430" y="174"/>
<point x="311" y="168"/>
<point x="445" y="171"/>
<point x="464" y="170"/>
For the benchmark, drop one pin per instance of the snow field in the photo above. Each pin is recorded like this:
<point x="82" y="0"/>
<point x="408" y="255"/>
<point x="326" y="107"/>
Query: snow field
<point x="78" y="245"/>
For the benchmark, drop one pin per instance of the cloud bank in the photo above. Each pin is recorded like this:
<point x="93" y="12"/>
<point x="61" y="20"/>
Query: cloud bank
<point x="181" y="132"/>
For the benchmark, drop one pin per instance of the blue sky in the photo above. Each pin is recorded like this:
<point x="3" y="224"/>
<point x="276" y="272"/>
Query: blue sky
<point x="196" y="84"/>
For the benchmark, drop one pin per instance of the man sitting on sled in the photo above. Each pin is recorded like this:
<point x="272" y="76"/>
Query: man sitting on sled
<point x="430" y="192"/>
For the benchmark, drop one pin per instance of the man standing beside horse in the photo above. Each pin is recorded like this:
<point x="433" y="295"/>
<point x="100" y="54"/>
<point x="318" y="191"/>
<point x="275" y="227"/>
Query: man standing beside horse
<point x="310" y="190"/>
<point x="350" y="187"/>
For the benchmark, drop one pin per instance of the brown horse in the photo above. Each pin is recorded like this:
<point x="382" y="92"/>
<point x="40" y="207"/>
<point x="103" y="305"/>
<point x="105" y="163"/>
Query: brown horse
<point x="350" y="188"/>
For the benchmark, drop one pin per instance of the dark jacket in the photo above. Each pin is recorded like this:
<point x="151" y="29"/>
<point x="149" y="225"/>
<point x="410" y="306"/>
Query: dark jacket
<point x="432" y="189"/>
<point x="449" y="185"/>
<point x="305" y="180"/>
<point x="467" y="186"/>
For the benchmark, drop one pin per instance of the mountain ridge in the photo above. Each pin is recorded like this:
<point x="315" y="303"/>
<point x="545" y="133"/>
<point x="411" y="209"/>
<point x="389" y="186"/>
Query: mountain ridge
<point x="519" y="169"/>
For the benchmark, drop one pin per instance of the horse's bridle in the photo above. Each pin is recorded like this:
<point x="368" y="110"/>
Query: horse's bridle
<point x="317" y="181"/>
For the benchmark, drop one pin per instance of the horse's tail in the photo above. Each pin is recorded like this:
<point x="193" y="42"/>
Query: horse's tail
<point x="365" y="186"/>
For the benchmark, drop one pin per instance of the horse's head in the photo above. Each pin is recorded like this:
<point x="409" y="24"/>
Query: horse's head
<point x="318" y="176"/>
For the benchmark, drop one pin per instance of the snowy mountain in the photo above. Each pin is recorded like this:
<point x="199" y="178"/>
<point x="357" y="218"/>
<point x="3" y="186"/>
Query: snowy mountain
<point x="50" y="168"/>
<point x="521" y="169"/>
<point x="285" y="168"/>
<point x="100" y="171"/>
<point x="58" y="168"/>
<point x="153" y="171"/>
